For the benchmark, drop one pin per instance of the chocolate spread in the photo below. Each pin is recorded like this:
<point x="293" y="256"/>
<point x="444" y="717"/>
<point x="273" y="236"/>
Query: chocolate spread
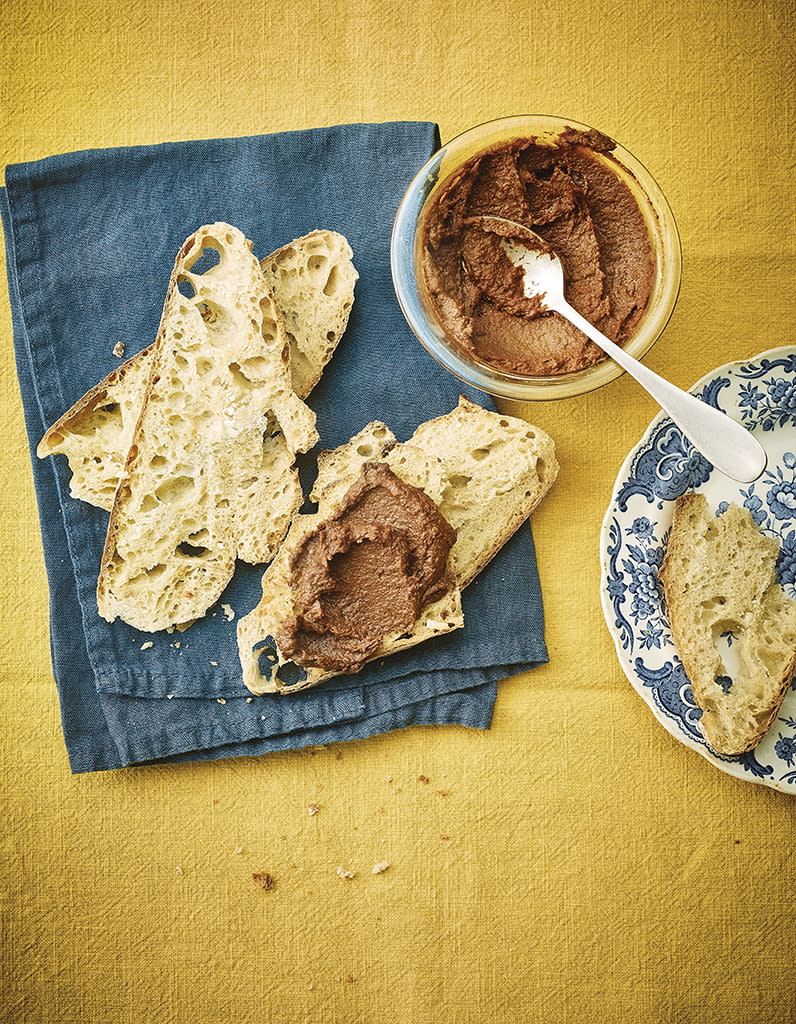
<point x="574" y="200"/>
<point x="365" y="572"/>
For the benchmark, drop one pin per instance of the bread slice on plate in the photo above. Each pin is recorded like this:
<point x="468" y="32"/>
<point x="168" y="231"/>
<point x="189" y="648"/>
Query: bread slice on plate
<point x="312" y="281"/>
<point x="484" y="471"/>
<point x="209" y="474"/>
<point x="719" y="580"/>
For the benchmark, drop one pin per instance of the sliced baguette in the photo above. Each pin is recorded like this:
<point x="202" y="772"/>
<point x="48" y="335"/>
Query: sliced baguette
<point x="95" y="433"/>
<point x="485" y="471"/>
<point x="719" y="577"/>
<point x="312" y="281"/>
<point x="209" y="473"/>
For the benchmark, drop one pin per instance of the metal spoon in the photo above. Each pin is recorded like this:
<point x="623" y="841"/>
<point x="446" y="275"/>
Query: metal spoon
<point x="724" y="443"/>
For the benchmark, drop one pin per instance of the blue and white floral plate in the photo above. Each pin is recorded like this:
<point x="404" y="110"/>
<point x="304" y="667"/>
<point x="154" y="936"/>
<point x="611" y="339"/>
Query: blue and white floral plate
<point x="760" y="393"/>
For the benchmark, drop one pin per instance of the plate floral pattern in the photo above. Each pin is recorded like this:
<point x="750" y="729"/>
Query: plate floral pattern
<point x="761" y="394"/>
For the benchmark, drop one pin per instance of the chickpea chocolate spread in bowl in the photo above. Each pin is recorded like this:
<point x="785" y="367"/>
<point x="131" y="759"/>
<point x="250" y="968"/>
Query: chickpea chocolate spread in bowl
<point x="582" y="209"/>
<point x="596" y="206"/>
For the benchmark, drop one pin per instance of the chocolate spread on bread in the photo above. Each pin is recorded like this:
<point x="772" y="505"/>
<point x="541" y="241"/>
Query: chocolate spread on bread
<point x="366" y="572"/>
<point x="570" y="195"/>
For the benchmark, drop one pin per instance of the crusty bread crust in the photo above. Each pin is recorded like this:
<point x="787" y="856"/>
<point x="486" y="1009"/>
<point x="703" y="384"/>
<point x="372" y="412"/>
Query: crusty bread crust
<point x="719" y="577"/>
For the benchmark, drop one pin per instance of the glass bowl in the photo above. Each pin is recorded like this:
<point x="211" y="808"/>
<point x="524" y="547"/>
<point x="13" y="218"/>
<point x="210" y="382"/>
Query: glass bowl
<point x="408" y="278"/>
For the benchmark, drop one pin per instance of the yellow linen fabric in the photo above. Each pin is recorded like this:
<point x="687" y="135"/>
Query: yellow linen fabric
<point x="575" y="863"/>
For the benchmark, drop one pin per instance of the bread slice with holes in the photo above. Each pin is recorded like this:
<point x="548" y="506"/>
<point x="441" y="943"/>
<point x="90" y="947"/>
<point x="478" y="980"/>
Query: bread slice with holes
<point x="486" y="473"/>
<point x="209" y="474"/>
<point x="312" y="281"/>
<point x="497" y="470"/>
<point x="95" y="433"/>
<point x="719" y="579"/>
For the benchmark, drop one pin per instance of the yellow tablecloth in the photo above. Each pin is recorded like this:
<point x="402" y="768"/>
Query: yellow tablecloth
<point x="575" y="863"/>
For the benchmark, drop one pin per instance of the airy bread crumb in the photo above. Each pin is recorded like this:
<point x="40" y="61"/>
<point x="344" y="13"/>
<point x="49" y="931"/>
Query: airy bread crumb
<point x="312" y="280"/>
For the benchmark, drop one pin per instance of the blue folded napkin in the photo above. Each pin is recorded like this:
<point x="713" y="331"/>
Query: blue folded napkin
<point x="90" y="240"/>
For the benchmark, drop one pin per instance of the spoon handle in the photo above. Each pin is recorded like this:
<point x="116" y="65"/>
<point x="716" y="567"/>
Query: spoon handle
<point x="725" y="443"/>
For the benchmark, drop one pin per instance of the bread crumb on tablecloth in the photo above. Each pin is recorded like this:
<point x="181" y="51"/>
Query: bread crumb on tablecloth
<point x="313" y="809"/>
<point x="345" y="873"/>
<point x="263" y="880"/>
<point x="118" y="349"/>
<point x="380" y="867"/>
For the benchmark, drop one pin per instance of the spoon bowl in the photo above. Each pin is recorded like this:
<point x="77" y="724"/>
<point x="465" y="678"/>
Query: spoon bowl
<point x="726" y="444"/>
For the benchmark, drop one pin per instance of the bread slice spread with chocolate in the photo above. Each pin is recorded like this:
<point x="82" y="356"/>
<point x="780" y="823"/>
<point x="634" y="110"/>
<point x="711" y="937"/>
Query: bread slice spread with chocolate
<point x="484" y="473"/>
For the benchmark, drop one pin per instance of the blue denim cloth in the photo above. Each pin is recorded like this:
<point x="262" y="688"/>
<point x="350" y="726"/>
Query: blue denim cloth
<point x="90" y="239"/>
